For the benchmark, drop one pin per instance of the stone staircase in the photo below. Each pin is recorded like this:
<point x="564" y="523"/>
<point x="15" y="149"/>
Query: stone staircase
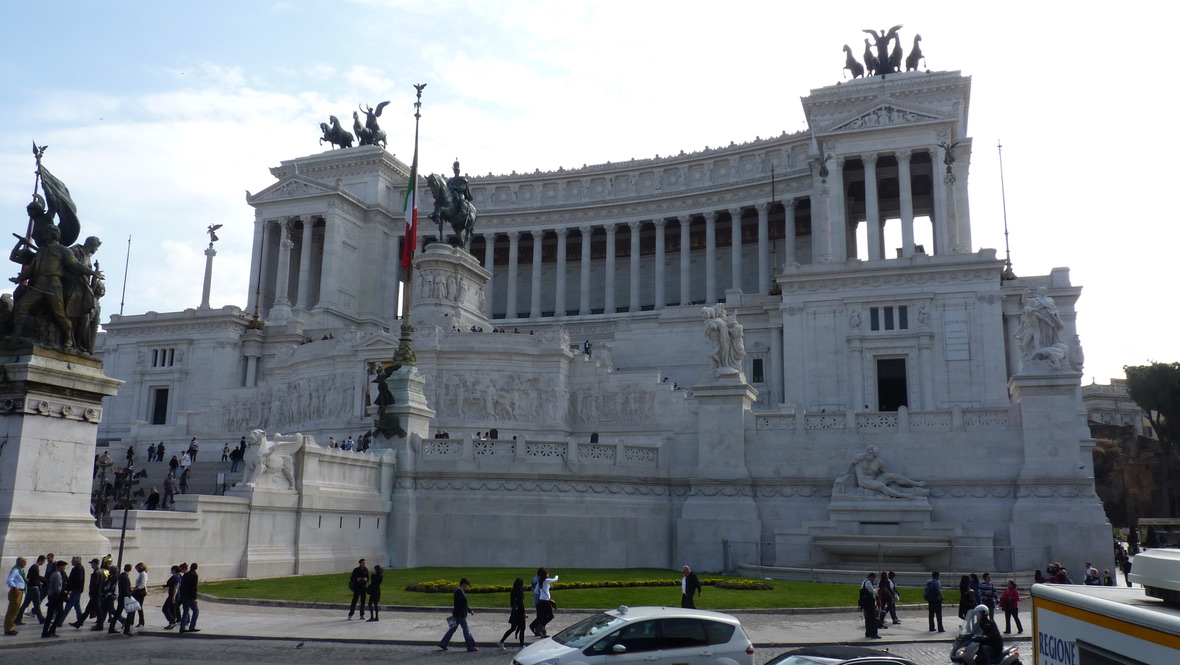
<point x="202" y="475"/>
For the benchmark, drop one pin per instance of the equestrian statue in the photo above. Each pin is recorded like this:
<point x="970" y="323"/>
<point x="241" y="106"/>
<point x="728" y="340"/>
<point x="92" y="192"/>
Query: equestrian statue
<point x="452" y="203"/>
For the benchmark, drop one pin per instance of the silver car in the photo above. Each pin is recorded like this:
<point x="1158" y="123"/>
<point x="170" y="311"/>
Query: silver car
<point x="649" y="635"/>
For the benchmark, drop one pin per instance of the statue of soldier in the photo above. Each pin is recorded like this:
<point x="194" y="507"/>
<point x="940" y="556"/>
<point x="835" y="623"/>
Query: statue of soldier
<point x="50" y="264"/>
<point x="82" y="293"/>
<point x="458" y="186"/>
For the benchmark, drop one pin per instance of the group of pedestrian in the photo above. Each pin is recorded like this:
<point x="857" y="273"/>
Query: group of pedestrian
<point x="360" y="445"/>
<point x="115" y="598"/>
<point x="879" y="602"/>
<point x="543" y="603"/>
<point x="365" y="584"/>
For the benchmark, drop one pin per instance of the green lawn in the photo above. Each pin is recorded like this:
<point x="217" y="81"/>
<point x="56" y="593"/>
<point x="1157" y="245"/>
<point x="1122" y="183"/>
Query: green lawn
<point x="334" y="589"/>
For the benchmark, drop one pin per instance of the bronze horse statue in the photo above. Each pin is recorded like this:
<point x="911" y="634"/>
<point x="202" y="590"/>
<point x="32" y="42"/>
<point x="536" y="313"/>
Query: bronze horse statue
<point x="335" y="134"/>
<point x="459" y="212"/>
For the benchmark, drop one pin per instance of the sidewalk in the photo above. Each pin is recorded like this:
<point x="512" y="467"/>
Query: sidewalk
<point x="426" y="626"/>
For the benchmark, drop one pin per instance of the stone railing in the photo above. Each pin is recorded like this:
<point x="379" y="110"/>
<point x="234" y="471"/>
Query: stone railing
<point x="618" y="453"/>
<point x="902" y="419"/>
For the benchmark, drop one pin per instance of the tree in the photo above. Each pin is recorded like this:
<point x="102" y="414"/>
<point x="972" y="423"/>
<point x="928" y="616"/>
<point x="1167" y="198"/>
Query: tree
<point x="1156" y="389"/>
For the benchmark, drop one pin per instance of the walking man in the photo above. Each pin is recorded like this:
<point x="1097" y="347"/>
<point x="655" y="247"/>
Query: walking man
<point x="688" y="585"/>
<point x="55" y="600"/>
<point x="933" y="596"/>
<point x="188" y="600"/>
<point x="94" y="596"/>
<point x="357" y="581"/>
<point x="868" y="605"/>
<point x="75" y="584"/>
<point x="16" y="593"/>
<point x="459" y="612"/>
<point x="34" y="583"/>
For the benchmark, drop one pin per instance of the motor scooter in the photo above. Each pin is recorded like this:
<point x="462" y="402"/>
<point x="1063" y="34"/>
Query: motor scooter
<point x="965" y="648"/>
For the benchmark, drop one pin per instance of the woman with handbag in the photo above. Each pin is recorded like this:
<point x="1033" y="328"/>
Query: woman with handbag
<point x="543" y="601"/>
<point x="139" y="592"/>
<point x="375" y="591"/>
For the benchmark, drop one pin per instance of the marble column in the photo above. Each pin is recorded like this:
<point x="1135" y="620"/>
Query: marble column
<point x="256" y="268"/>
<point x="535" y="291"/>
<point x="513" y="272"/>
<point x="763" y="247"/>
<point x="856" y="371"/>
<point x="559" y="296"/>
<point x="584" y="286"/>
<point x="838" y="248"/>
<point x="633" y="305"/>
<point x="489" y="260"/>
<point x="789" y="231"/>
<point x="942" y="234"/>
<point x="906" y="201"/>
<point x="305" y="301"/>
<point x="872" y="209"/>
<point x="208" y="284"/>
<point x="710" y="257"/>
<point x="608" y="305"/>
<point x="283" y="274"/>
<point x="735" y="248"/>
<point x="660" y="297"/>
<point x="685" y="257"/>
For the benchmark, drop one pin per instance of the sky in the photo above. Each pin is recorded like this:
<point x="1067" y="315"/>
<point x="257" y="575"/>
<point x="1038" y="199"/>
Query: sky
<point x="160" y="115"/>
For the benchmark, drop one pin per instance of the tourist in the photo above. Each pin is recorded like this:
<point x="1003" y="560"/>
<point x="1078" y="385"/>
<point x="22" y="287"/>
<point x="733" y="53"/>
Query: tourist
<point x="516" y="614"/>
<point x="153" y="500"/>
<point x="987" y="595"/>
<point x="151" y="452"/>
<point x="1010" y="604"/>
<point x="375" y="591"/>
<point x="1091" y="576"/>
<point x="1107" y="579"/>
<point x="459" y="613"/>
<point x="868" y="605"/>
<point x="235" y="458"/>
<point x="139" y="590"/>
<point x="174" y="466"/>
<point x="543" y="601"/>
<point x="130" y="456"/>
<point x="225" y="452"/>
<point x="16" y="593"/>
<point x="188" y="599"/>
<point x="1039" y="577"/>
<point x="75" y="585"/>
<point x="55" y="586"/>
<point x="882" y="595"/>
<point x="933" y="595"/>
<point x="193" y="447"/>
<point x="160" y="452"/>
<point x="33" y="585"/>
<point x="123" y="591"/>
<point x="169" y="491"/>
<point x="94" y="597"/>
<point x="690" y="585"/>
<point x="186" y="460"/>
<point x="1127" y="570"/>
<point x="893" y="596"/>
<point x="171" y="602"/>
<point x="184" y="482"/>
<point x="357" y="582"/>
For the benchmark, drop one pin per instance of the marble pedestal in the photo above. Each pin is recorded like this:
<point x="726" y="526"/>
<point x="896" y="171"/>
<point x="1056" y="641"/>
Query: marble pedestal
<point x="50" y="407"/>
<point x="272" y="531"/>
<point x="1054" y="504"/>
<point x="410" y="407"/>
<point x="720" y="503"/>
<point x="449" y="289"/>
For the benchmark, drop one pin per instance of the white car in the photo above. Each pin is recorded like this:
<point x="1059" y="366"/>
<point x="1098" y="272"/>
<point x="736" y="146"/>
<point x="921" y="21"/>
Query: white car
<point x="656" y="635"/>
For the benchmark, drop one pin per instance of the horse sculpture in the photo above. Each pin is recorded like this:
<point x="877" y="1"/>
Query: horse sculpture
<point x="851" y="64"/>
<point x="335" y="134"/>
<point x="372" y="134"/>
<point x="457" y="211"/>
<point x="911" y="62"/>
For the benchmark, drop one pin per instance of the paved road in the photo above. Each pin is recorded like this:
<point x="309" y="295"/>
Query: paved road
<point x="164" y="650"/>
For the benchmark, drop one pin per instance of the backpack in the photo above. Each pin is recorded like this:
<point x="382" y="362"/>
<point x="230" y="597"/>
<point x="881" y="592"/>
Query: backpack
<point x="866" y="598"/>
<point x="931" y="592"/>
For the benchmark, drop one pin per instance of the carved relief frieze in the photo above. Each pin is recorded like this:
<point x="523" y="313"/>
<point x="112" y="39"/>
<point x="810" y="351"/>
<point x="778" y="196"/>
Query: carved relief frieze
<point x="884" y="116"/>
<point x="282" y="406"/>
<point x="879" y="281"/>
<point x="542" y="486"/>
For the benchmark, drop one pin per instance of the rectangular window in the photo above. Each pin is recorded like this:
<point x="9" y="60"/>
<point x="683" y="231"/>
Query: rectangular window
<point x="892" y="388"/>
<point x="888" y="318"/>
<point x="903" y="318"/>
<point x="159" y="406"/>
<point x="756" y="371"/>
<point x="874" y="318"/>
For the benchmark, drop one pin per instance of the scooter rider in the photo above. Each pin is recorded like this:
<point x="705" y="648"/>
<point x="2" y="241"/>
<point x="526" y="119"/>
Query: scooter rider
<point x="990" y="641"/>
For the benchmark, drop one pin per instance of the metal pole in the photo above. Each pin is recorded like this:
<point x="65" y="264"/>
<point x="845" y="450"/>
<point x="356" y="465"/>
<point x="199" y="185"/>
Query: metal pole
<point x="126" y="263"/>
<point x="1008" y="273"/>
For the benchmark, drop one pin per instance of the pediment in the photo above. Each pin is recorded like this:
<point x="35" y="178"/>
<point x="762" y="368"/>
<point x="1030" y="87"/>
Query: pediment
<point x="291" y="188"/>
<point x="884" y="115"/>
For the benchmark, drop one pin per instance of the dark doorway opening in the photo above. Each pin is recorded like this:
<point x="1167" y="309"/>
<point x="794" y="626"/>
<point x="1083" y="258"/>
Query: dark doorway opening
<point x="891" y="384"/>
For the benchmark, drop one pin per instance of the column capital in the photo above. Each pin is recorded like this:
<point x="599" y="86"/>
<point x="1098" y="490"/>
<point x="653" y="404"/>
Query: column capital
<point x="562" y="231"/>
<point x="490" y="237"/>
<point x="710" y="216"/>
<point x="585" y="230"/>
<point x="659" y="223"/>
<point x="685" y="220"/>
<point x="762" y="208"/>
<point x="736" y="213"/>
<point x="611" y="228"/>
<point x="537" y="234"/>
<point x="869" y="159"/>
<point x="634" y="226"/>
<point x="904" y="156"/>
<point x="514" y="236"/>
<point x="789" y="204"/>
<point x="840" y="160"/>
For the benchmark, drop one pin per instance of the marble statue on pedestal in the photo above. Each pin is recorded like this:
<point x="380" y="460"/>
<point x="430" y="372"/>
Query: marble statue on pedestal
<point x="1040" y="331"/>
<point x="866" y="478"/>
<point x="452" y="203"/>
<point x="269" y="462"/>
<point x="728" y="337"/>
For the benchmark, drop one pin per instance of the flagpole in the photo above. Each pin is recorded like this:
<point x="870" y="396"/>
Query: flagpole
<point x="405" y="347"/>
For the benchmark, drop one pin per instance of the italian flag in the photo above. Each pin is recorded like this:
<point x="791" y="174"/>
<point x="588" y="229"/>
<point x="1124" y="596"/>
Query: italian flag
<point x="411" y="208"/>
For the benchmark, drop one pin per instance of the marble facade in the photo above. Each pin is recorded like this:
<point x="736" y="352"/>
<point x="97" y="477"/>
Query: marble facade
<point x="637" y="454"/>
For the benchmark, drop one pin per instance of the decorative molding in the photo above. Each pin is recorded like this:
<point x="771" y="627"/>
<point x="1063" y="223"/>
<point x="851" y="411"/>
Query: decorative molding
<point x="884" y="116"/>
<point x="50" y="409"/>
